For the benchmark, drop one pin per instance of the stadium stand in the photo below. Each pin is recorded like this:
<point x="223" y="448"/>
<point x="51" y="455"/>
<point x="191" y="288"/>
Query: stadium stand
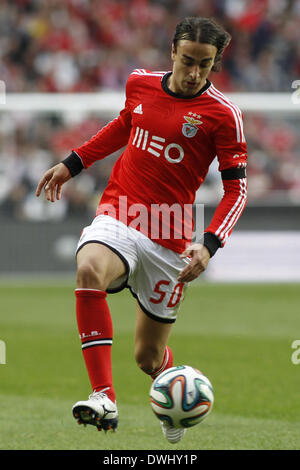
<point x="92" y="45"/>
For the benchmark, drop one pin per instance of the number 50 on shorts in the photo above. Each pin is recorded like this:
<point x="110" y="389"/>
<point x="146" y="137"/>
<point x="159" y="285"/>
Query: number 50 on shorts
<point x="175" y="296"/>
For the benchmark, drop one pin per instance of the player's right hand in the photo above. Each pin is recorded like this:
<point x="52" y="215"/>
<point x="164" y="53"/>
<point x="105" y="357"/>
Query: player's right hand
<point x="52" y="182"/>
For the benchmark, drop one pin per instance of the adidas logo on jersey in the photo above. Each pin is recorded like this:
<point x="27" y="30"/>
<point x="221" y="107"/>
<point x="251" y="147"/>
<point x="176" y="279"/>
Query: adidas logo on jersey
<point x="138" y="109"/>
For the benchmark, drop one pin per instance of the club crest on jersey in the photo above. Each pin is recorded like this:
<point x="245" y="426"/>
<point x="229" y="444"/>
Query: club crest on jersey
<point x="189" y="128"/>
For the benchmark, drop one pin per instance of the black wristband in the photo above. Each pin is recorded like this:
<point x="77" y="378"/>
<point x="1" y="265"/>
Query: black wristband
<point x="211" y="242"/>
<point x="73" y="163"/>
<point x="233" y="174"/>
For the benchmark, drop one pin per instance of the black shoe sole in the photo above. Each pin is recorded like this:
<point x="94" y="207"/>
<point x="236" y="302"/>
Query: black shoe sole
<point x="86" y="415"/>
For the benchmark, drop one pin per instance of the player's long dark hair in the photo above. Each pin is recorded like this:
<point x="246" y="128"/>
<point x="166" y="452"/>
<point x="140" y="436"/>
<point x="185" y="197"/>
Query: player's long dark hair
<point x="203" y="30"/>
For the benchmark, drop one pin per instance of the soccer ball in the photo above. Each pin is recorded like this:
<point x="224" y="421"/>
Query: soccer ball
<point x="182" y="396"/>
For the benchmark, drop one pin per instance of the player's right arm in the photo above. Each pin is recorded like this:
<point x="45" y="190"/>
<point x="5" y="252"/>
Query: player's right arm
<point x="109" y="139"/>
<point x="52" y="182"/>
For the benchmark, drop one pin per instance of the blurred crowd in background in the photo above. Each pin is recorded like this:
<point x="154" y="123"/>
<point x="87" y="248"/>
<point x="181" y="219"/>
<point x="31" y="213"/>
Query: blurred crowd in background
<point x="88" y="45"/>
<point x="93" y="45"/>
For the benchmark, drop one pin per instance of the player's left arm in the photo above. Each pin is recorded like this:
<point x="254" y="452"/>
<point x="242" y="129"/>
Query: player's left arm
<point x="231" y="150"/>
<point x="232" y="156"/>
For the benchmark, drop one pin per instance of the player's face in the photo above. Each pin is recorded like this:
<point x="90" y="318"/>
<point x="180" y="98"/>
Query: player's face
<point x="192" y="63"/>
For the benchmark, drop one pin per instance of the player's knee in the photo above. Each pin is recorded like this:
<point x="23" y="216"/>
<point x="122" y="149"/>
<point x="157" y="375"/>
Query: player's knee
<point x="90" y="277"/>
<point x="147" y="360"/>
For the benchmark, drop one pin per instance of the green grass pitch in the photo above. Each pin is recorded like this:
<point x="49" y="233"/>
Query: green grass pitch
<point x="239" y="335"/>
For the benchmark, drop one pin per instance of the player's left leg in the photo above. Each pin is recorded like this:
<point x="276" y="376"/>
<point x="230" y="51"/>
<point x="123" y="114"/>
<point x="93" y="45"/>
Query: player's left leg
<point x="151" y="351"/>
<point x="153" y="356"/>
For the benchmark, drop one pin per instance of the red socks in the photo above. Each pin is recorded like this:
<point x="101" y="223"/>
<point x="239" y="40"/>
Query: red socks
<point x="96" y="333"/>
<point x="166" y="363"/>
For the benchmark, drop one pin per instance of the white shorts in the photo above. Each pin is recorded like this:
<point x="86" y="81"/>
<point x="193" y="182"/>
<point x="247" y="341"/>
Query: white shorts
<point x="151" y="269"/>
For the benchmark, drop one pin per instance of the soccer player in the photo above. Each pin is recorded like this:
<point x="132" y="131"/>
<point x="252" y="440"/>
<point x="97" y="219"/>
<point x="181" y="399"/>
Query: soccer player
<point x="174" y="124"/>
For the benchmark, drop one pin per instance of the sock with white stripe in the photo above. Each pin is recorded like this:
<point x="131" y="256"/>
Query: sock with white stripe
<point x="96" y="333"/>
<point x="166" y="363"/>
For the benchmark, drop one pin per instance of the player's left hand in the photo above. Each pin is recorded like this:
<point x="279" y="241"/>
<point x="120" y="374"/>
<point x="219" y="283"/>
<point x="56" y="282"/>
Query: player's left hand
<point x="200" y="258"/>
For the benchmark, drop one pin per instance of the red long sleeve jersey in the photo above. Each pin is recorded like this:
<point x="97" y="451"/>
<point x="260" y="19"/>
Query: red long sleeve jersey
<point x="170" y="143"/>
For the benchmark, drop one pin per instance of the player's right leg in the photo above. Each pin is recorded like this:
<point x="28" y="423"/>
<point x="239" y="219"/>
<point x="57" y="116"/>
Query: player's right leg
<point x="98" y="267"/>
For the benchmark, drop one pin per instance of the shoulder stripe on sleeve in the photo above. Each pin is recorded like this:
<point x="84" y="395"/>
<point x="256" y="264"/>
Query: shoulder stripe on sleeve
<point x="228" y="223"/>
<point x="236" y="108"/>
<point x="143" y="72"/>
<point x="235" y="112"/>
